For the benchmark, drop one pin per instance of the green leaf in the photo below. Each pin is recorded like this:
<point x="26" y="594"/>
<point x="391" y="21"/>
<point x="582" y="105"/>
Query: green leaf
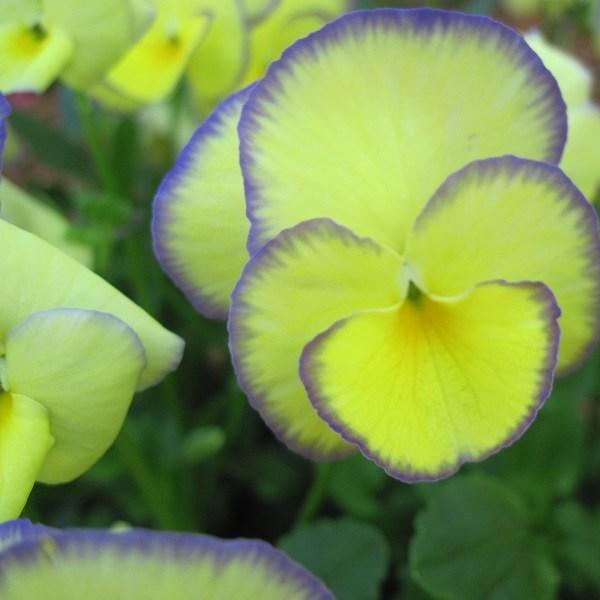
<point x="475" y="539"/>
<point x="554" y="444"/>
<point x="354" y="486"/>
<point x="578" y="545"/>
<point x="351" y="557"/>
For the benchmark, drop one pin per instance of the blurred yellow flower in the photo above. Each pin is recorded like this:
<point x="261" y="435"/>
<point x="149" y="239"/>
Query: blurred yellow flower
<point x="44" y="40"/>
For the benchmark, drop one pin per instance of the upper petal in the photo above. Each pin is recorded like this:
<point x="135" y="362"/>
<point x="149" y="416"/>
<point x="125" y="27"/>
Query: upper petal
<point x="363" y="120"/>
<point x="199" y="225"/>
<point x="426" y="386"/>
<point x="83" y="368"/>
<point x="300" y="283"/>
<point x="518" y="220"/>
<point x="36" y="276"/>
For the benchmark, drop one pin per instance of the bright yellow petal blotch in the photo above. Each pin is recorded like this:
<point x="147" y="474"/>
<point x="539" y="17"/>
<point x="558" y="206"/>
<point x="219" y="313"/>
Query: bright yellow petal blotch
<point x="25" y="440"/>
<point x="425" y="386"/>
<point x="152" y="68"/>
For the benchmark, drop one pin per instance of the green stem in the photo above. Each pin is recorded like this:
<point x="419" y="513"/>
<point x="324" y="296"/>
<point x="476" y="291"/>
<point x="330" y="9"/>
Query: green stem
<point x="147" y="484"/>
<point x="316" y="494"/>
<point x="85" y="112"/>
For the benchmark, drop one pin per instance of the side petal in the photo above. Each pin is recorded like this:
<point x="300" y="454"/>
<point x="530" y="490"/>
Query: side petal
<point x="36" y="276"/>
<point x="298" y="285"/>
<point x="316" y="141"/>
<point x="217" y="66"/>
<point x="25" y="441"/>
<point x="82" y="367"/>
<point x="31" y="61"/>
<point x="18" y="530"/>
<point x="153" y="67"/>
<point x="147" y="564"/>
<point x="427" y="386"/>
<point x="199" y="223"/>
<point x="581" y="161"/>
<point x="518" y="220"/>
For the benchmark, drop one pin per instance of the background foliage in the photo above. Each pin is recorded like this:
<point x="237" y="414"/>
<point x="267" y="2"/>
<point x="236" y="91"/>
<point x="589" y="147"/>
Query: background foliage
<point x="194" y="456"/>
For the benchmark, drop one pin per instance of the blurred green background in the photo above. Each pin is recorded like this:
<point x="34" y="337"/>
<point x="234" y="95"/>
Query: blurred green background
<point x="194" y="456"/>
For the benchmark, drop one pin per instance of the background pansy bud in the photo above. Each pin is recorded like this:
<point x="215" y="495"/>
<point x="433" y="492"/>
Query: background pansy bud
<point x="29" y="213"/>
<point x="138" y="563"/>
<point x="581" y="159"/>
<point x="408" y="309"/>
<point x="44" y="40"/>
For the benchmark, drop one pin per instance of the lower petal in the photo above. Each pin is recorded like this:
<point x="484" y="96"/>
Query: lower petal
<point x="427" y="386"/>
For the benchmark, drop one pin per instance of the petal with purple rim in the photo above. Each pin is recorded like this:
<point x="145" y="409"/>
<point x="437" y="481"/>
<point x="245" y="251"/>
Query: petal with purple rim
<point x="298" y="285"/>
<point x="146" y="565"/>
<point x="451" y="88"/>
<point x="519" y="220"/>
<point x="423" y="387"/>
<point x="199" y="224"/>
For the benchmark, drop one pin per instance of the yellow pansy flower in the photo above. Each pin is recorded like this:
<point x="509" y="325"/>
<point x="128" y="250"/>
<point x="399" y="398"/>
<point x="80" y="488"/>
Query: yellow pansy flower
<point x="44" y="40"/>
<point x="400" y="240"/>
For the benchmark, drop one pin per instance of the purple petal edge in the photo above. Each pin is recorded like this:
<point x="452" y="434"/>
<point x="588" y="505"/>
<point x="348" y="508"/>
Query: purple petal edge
<point x="174" y="546"/>
<point x="4" y="113"/>
<point x="422" y="18"/>
<point x="559" y="181"/>
<point x="237" y="333"/>
<point x="309" y="378"/>
<point x="163" y="199"/>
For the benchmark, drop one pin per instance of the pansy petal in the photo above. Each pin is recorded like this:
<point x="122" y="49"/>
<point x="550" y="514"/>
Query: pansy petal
<point x="146" y="565"/>
<point x="581" y="161"/>
<point x="36" y="276"/>
<point x="101" y="31"/>
<point x="83" y="368"/>
<point x="25" y="440"/>
<point x="216" y="68"/>
<point x="426" y="386"/>
<point x="18" y="530"/>
<point x="518" y="220"/>
<point x="32" y="61"/>
<point x="199" y="220"/>
<point x="152" y="68"/>
<point x="317" y="142"/>
<point x="297" y="286"/>
<point x="24" y="211"/>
